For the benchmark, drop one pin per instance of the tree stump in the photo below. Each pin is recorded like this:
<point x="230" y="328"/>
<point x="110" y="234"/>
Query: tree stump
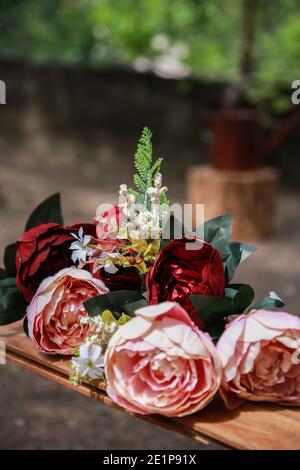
<point x="250" y="196"/>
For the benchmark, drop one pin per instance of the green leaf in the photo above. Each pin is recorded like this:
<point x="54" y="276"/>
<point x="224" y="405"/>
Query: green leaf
<point x="216" y="331"/>
<point x="230" y="292"/>
<point x="214" y="310"/>
<point x="142" y="277"/>
<point x="131" y="307"/>
<point x="219" y="228"/>
<point x="269" y="302"/>
<point x="218" y="231"/>
<point x="156" y="167"/>
<point x="10" y="259"/>
<point x="124" y="319"/>
<point x="211" y="310"/>
<point x="115" y="301"/>
<point x="25" y="326"/>
<point x="140" y="184"/>
<point x="48" y="211"/>
<point x="107" y="316"/>
<point x="12" y="304"/>
<point x="236" y="254"/>
<point x="143" y="155"/>
<point x="245" y="250"/>
<point x="7" y="283"/>
<point x="244" y="295"/>
<point x="3" y="274"/>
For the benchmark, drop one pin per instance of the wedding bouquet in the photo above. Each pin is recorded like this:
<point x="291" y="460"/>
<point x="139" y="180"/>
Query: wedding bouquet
<point x="136" y="301"/>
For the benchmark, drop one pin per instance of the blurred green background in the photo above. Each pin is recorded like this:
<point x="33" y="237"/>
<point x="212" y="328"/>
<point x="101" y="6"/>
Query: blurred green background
<point x="200" y="37"/>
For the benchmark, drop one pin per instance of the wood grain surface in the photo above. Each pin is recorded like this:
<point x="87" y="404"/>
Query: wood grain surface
<point x="253" y="426"/>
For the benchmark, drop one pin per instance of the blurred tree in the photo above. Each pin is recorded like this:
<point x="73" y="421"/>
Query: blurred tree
<point x="211" y="38"/>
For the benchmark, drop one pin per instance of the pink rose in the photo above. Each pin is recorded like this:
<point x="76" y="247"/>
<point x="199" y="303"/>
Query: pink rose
<point x="56" y="309"/>
<point x="260" y="359"/>
<point x="160" y="362"/>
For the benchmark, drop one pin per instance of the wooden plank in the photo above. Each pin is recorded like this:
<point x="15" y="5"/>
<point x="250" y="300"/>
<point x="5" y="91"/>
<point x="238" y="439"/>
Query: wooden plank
<point x="253" y="426"/>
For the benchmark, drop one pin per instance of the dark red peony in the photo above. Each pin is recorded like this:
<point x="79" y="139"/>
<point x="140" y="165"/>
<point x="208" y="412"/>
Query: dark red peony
<point x="43" y="251"/>
<point x="123" y="279"/>
<point x="179" y="272"/>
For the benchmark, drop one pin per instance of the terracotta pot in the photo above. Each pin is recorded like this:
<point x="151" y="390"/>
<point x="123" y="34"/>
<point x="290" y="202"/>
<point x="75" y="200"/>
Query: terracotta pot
<point x="237" y="140"/>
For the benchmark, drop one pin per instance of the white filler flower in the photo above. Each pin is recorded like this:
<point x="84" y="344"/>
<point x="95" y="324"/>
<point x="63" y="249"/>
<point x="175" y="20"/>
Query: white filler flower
<point x="90" y="362"/>
<point x="81" y="249"/>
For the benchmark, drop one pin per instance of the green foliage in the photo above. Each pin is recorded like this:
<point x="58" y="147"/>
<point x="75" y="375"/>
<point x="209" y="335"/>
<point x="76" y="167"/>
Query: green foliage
<point x="218" y="231"/>
<point x="10" y="259"/>
<point x="131" y="307"/>
<point x="270" y="302"/>
<point x="3" y="274"/>
<point x="145" y="167"/>
<point x="47" y="211"/>
<point x="214" y="311"/>
<point x="107" y="32"/>
<point x="143" y="155"/>
<point x="109" y="318"/>
<point x="12" y="304"/>
<point x="115" y="301"/>
<point x="211" y="309"/>
<point x="25" y="326"/>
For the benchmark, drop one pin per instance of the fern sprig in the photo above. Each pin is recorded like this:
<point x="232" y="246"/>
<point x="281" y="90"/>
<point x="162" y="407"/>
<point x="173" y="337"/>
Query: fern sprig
<point x="140" y="184"/>
<point x="143" y="155"/>
<point x="145" y="167"/>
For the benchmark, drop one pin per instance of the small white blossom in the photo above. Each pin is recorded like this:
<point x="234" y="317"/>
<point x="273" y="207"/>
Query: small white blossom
<point x="158" y="190"/>
<point x="126" y="199"/>
<point x="90" y="362"/>
<point x="141" y="223"/>
<point x="101" y="331"/>
<point x="81" y="248"/>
